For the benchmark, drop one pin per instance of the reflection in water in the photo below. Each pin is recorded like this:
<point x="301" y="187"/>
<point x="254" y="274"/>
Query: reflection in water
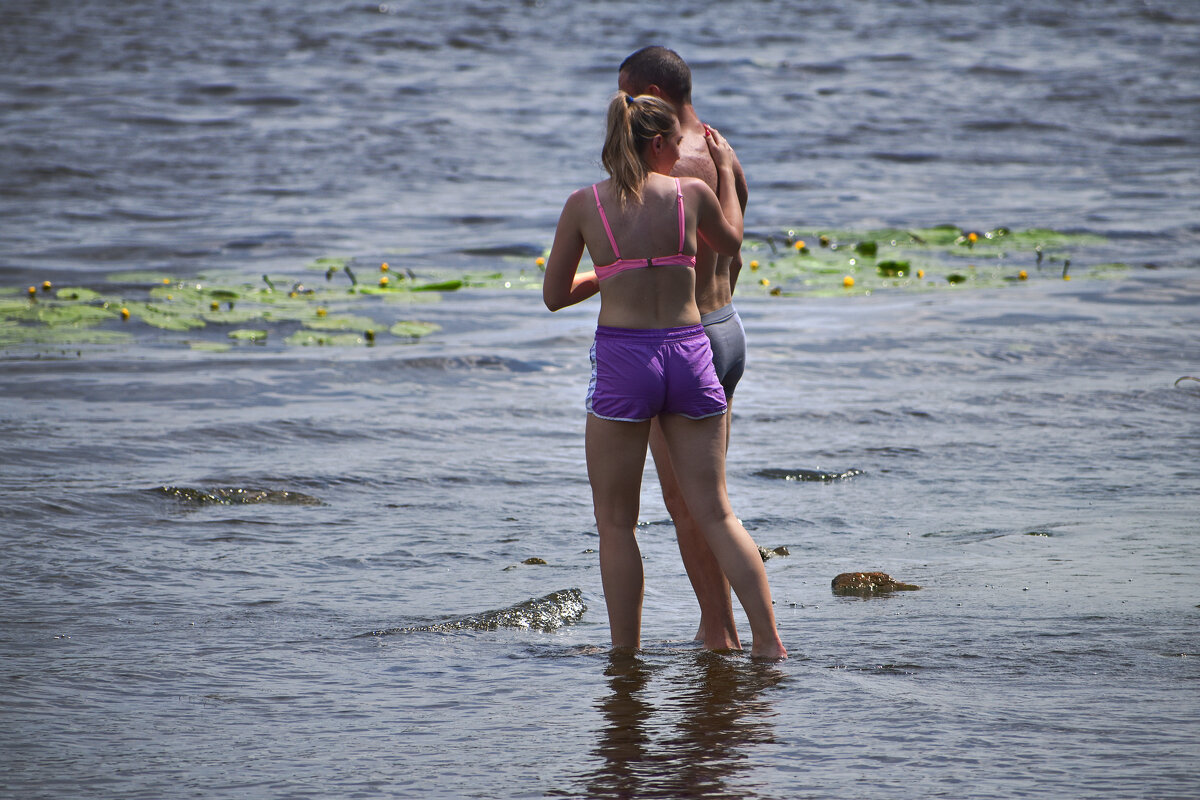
<point x="688" y="738"/>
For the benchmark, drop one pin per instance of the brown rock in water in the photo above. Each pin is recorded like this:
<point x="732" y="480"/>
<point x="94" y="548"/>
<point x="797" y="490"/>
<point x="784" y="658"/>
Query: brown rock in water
<point x="778" y="551"/>
<point x="866" y="583"/>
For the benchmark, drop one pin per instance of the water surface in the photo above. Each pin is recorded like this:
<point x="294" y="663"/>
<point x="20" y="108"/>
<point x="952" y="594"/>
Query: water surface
<point x="330" y="596"/>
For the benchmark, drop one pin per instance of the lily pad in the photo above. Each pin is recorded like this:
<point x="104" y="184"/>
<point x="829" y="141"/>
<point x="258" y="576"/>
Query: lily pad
<point x="77" y="294"/>
<point x="248" y="335"/>
<point x="13" y="334"/>
<point x="75" y="316"/>
<point x="308" y="338"/>
<point x="205" y="346"/>
<point x="349" y="323"/>
<point x="442" y="286"/>
<point x="893" y="269"/>
<point x="165" y="317"/>
<point x="139" y="276"/>
<point x="237" y="316"/>
<point x="413" y="329"/>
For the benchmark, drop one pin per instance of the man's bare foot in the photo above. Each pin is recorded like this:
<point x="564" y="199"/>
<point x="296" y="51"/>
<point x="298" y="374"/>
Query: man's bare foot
<point x="774" y="651"/>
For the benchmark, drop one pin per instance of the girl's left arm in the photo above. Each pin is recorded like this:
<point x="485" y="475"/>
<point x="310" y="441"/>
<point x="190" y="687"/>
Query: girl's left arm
<point x="563" y="285"/>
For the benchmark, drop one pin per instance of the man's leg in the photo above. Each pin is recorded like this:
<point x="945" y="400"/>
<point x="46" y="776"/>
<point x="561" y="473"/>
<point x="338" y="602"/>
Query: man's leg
<point x="698" y="452"/>
<point x="718" y="629"/>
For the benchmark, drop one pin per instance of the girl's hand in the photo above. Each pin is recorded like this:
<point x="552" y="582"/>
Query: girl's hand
<point x="718" y="148"/>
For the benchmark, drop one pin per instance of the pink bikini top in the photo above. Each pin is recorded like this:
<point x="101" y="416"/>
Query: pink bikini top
<point x="622" y="264"/>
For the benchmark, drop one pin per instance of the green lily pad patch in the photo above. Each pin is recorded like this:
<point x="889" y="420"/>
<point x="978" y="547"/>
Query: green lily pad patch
<point x="347" y="302"/>
<point x="838" y="262"/>
<point x="285" y="310"/>
<point x="14" y="334"/>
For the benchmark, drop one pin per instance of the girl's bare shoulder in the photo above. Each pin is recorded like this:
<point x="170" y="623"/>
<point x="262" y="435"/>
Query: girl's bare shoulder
<point x="695" y="187"/>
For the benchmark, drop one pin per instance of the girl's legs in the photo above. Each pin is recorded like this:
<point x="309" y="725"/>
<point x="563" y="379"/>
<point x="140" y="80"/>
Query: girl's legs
<point x="616" y="456"/>
<point x="697" y="450"/>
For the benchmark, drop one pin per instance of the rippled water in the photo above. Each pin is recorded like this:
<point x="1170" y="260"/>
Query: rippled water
<point x="311" y="572"/>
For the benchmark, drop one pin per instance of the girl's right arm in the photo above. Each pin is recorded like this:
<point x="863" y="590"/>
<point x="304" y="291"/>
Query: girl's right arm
<point x="562" y="286"/>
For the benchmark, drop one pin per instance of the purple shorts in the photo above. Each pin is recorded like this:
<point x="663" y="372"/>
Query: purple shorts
<point x="638" y="374"/>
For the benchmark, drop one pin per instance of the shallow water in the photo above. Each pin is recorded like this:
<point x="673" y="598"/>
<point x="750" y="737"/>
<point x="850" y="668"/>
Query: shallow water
<point x="287" y="571"/>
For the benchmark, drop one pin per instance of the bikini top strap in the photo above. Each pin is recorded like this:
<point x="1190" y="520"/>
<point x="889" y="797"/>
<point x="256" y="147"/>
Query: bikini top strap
<point x="604" y="219"/>
<point x="679" y="194"/>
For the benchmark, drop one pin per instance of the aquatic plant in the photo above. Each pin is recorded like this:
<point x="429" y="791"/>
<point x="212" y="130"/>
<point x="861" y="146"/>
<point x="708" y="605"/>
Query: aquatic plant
<point x="917" y="259"/>
<point x="280" y="309"/>
<point x="333" y="304"/>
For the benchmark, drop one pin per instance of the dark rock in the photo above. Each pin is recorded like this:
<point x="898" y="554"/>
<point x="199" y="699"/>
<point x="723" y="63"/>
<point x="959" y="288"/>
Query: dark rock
<point x="868" y="583"/>
<point x="237" y="496"/>
<point x="564" y="607"/>
<point x="815" y="475"/>
<point x="767" y="552"/>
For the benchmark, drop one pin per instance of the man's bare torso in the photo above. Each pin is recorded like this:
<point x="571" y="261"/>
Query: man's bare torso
<point x="714" y="286"/>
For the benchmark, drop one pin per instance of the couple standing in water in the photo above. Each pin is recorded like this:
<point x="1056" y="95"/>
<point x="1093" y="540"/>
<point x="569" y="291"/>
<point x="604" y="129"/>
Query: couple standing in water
<point x="664" y="232"/>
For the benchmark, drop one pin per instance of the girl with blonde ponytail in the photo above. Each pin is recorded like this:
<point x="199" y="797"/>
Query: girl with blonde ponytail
<point x="651" y="357"/>
<point x="632" y="122"/>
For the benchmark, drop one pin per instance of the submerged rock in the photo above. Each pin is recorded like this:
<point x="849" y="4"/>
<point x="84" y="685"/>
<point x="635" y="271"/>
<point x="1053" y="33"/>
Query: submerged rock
<point x="869" y="583"/>
<point x="548" y="613"/>
<point x="815" y="475"/>
<point x="237" y="496"/>
<point x="769" y="552"/>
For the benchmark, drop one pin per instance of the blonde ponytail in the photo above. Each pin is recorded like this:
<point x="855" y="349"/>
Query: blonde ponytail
<point x="632" y="122"/>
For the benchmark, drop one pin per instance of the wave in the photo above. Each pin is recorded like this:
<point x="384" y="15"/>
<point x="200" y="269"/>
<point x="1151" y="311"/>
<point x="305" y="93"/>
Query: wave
<point x="453" y="363"/>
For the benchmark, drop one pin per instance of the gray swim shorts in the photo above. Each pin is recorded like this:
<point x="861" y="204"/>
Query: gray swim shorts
<point x="728" y="339"/>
